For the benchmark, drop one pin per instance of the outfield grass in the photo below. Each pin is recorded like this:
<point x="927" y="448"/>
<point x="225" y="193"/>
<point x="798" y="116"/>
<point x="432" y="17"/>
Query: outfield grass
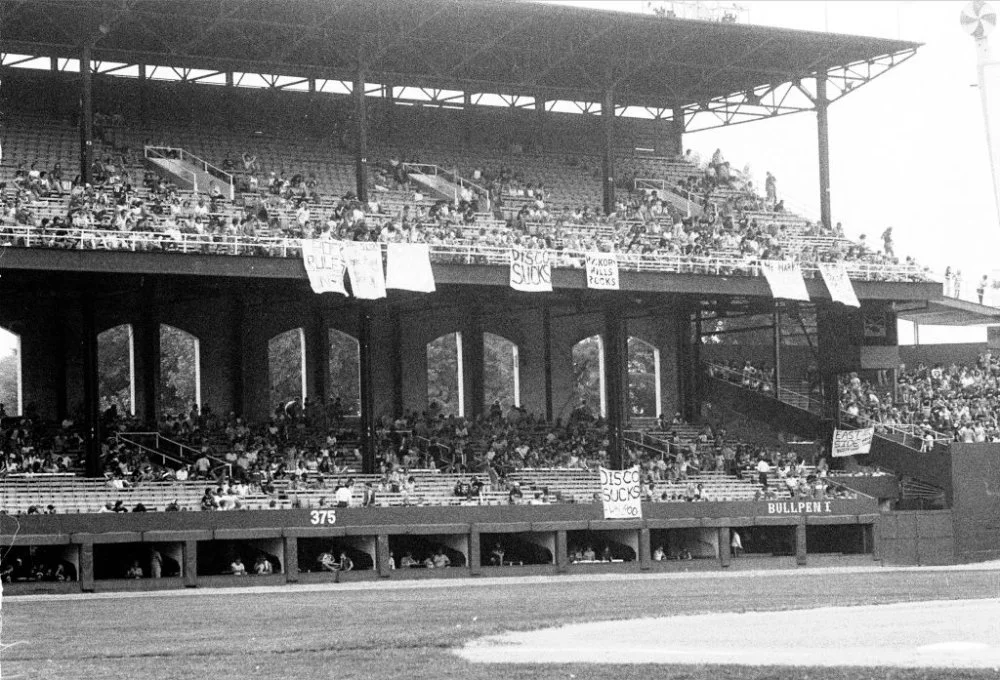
<point x="408" y="633"/>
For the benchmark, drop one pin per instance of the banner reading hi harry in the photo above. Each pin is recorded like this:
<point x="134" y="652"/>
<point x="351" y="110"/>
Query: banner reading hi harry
<point x="839" y="283"/>
<point x="602" y="271"/>
<point x="530" y="271"/>
<point x="621" y="493"/>
<point x="852" y="442"/>
<point x="785" y="280"/>
<point x="324" y="264"/>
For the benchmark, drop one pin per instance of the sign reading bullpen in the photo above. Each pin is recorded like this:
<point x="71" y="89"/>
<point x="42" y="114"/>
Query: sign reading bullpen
<point x="621" y="493"/>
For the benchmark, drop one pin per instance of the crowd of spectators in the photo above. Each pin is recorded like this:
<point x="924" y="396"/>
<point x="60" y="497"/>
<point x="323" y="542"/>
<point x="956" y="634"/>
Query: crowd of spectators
<point x="122" y="199"/>
<point x="931" y="402"/>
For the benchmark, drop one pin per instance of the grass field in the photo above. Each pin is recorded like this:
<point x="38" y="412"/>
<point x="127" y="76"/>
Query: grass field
<point x="367" y="631"/>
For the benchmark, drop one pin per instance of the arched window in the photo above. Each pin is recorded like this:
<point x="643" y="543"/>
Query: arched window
<point x="180" y="370"/>
<point x="643" y="379"/>
<point x="116" y="369"/>
<point x="10" y="372"/>
<point x="286" y="367"/>
<point x="588" y="374"/>
<point x="445" y="386"/>
<point x="344" y="371"/>
<point x="501" y="372"/>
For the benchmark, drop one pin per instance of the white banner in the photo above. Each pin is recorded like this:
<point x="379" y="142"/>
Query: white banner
<point x="621" y="492"/>
<point x="852" y="442"/>
<point x="839" y="283"/>
<point x="530" y="271"/>
<point x="602" y="271"/>
<point x="364" y="266"/>
<point x="408" y="267"/>
<point x="785" y="280"/>
<point x="324" y="264"/>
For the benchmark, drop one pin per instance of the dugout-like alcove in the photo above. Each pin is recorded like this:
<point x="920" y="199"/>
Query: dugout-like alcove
<point x="216" y="558"/>
<point x="842" y="539"/>
<point x="614" y="545"/>
<point x="40" y="563"/>
<point x="360" y="550"/>
<point x="763" y="541"/>
<point x="516" y="549"/>
<point x="134" y="561"/>
<point x="695" y="543"/>
<point x="421" y="547"/>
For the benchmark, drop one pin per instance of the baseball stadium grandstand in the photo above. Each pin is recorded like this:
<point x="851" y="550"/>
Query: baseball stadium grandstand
<point x="540" y="283"/>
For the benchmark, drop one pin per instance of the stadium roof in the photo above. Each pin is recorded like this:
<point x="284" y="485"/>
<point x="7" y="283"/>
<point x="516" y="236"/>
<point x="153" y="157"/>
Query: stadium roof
<point x="950" y="312"/>
<point x="498" y="46"/>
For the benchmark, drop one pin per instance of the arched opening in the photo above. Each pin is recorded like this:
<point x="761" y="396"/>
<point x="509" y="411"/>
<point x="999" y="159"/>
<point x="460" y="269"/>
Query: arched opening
<point x="286" y="367"/>
<point x="445" y="383"/>
<point x="180" y="370"/>
<point x="501" y="372"/>
<point x="10" y="372"/>
<point x="116" y="369"/>
<point x="588" y="374"/>
<point x="344" y="371"/>
<point x="643" y="379"/>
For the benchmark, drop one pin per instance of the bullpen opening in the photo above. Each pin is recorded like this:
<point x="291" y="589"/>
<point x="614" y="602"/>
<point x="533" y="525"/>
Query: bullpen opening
<point x="607" y="546"/>
<point x="341" y="554"/>
<point x="254" y="557"/>
<point x="695" y="543"/>
<point x="416" y="553"/>
<point x="138" y="561"/>
<point x="839" y="539"/>
<point x="517" y="549"/>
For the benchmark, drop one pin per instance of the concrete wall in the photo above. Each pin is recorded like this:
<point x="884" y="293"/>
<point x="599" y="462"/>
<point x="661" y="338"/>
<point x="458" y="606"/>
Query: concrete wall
<point x="923" y="537"/>
<point x="976" y="501"/>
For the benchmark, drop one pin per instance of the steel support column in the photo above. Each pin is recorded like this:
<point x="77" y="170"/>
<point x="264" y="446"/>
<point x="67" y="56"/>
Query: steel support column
<point x="86" y="115"/>
<point x="472" y="361"/>
<point x="608" y="164"/>
<point x="360" y="137"/>
<point x="677" y="130"/>
<point x="823" y="135"/>
<point x="616" y="382"/>
<point x="237" y="313"/>
<point x="149" y="353"/>
<point x="397" y="364"/>
<point x="777" y="349"/>
<point x="547" y="359"/>
<point x="91" y="390"/>
<point x="319" y="357"/>
<point x="367" y="424"/>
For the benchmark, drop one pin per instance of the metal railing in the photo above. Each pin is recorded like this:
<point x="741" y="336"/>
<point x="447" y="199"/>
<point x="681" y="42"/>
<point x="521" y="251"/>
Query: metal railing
<point x="450" y="175"/>
<point x="176" y="153"/>
<point x="805" y="402"/>
<point x="131" y="439"/>
<point x="463" y="251"/>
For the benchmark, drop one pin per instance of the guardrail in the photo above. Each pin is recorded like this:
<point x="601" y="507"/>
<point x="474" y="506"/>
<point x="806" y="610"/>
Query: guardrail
<point x="176" y="153"/>
<point x="460" y="252"/>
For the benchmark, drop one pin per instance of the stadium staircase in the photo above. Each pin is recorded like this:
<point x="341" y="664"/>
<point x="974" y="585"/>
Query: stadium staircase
<point x="188" y="171"/>
<point x="440" y="183"/>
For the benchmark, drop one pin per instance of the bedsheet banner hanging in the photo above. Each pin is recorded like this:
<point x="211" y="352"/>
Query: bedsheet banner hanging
<point x="408" y="267"/>
<point x="530" y="271"/>
<point x="364" y="266"/>
<point x="852" y="442"/>
<point x="324" y="264"/>
<point x="839" y="283"/>
<point x="785" y="280"/>
<point x="602" y="271"/>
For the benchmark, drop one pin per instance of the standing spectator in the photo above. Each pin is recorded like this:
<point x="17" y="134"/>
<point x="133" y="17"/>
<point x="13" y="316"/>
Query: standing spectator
<point x="155" y="563"/>
<point x="763" y="468"/>
<point x="958" y="284"/>
<point x="771" y="187"/>
<point x="887" y="242"/>
<point x="981" y="288"/>
<point x="735" y="543"/>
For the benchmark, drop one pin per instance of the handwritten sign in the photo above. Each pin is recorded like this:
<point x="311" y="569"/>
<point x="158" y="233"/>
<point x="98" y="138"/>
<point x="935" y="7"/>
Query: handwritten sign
<point x="602" y="271"/>
<point x="852" y="442"/>
<point x="530" y="271"/>
<point x="785" y="280"/>
<point x="838" y="283"/>
<point x="621" y="493"/>
<point x="324" y="265"/>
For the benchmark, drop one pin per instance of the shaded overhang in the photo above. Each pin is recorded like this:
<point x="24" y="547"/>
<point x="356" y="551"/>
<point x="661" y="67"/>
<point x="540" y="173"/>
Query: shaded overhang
<point x="716" y="73"/>
<point x="948" y="312"/>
